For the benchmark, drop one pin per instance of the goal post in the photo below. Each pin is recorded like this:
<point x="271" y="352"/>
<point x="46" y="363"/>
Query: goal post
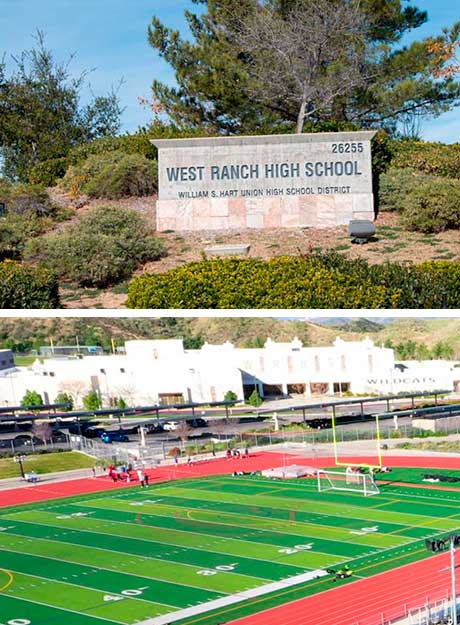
<point x="349" y="481"/>
<point x="375" y="452"/>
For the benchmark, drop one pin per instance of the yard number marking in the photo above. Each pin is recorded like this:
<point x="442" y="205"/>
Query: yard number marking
<point x="221" y="568"/>
<point x="18" y="621"/>
<point x="365" y="530"/>
<point x="135" y="592"/>
<point x="73" y="515"/>
<point x="296" y="549"/>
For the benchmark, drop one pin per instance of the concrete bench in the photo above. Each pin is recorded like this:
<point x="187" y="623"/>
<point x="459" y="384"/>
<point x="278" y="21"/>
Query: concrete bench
<point x="230" y="249"/>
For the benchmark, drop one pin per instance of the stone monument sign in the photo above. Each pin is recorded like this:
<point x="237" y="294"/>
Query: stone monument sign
<point x="310" y="180"/>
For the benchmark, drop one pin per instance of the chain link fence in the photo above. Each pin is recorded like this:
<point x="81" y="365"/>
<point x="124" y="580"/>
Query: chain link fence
<point x="29" y="445"/>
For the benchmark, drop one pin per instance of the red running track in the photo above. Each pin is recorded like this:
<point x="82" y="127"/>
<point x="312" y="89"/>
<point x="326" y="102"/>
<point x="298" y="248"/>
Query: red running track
<point x="218" y="466"/>
<point x="369" y="601"/>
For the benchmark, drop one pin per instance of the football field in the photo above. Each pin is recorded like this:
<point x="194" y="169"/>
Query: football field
<point x="204" y="551"/>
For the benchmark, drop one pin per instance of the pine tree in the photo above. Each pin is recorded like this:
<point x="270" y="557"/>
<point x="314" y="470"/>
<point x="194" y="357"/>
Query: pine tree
<point x="216" y="90"/>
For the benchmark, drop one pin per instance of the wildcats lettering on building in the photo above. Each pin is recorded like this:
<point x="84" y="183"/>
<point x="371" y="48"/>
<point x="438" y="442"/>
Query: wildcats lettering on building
<point x="400" y="381"/>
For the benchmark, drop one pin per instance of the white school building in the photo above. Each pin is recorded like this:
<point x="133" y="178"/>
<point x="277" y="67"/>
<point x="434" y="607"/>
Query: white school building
<point x="164" y="372"/>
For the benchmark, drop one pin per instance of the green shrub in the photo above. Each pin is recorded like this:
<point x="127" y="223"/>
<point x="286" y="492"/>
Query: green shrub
<point x="396" y="184"/>
<point x="48" y="172"/>
<point x="284" y="282"/>
<point x="112" y="175"/>
<point x="437" y="159"/>
<point x="322" y="280"/>
<point x="255" y="399"/>
<point x="103" y="247"/>
<point x="138" y="143"/>
<point x="15" y="232"/>
<point x="26" y="199"/>
<point x="25" y="286"/>
<point x="433" y="206"/>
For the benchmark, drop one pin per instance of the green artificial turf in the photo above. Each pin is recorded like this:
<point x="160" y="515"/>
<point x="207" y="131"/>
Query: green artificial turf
<point x="416" y="476"/>
<point x="127" y="556"/>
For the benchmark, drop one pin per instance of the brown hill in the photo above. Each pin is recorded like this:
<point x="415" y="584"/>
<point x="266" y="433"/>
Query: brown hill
<point x="27" y="333"/>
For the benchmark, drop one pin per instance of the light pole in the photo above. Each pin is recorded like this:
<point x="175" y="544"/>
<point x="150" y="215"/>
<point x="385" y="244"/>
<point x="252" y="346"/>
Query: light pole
<point x="19" y="459"/>
<point x="440" y="545"/>
<point x="104" y="372"/>
<point x="452" y="576"/>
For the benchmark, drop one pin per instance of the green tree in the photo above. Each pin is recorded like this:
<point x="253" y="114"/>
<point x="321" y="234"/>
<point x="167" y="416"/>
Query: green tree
<point x="32" y="398"/>
<point x="406" y="350"/>
<point x="41" y="113"/>
<point x="120" y="403"/>
<point x="216" y="88"/>
<point x="255" y="399"/>
<point x="64" y="398"/>
<point x="92" y="401"/>
<point x="194" y="341"/>
<point x="422" y="352"/>
<point x="442" y="351"/>
<point x="230" y="396"/>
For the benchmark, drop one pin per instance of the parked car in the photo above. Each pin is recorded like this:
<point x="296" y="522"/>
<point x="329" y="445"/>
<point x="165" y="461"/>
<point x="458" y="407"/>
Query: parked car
<point x="76" y="428"/>
<point x="154" y="428"/>
<point x="24" y="439"/>
<point x="197" y="423"/>
<point x="59" y="437"/>
<point x="111" y="437"/>
<point x="93" y="432"/>
<point x="170" y="426"/>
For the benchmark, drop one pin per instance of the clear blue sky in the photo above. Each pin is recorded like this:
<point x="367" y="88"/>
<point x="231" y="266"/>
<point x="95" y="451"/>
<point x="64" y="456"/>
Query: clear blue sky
<point x="111" y="37"/>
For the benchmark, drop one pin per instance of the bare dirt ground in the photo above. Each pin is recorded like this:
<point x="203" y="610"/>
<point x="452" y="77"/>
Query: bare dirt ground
<point x="392" y="243"/>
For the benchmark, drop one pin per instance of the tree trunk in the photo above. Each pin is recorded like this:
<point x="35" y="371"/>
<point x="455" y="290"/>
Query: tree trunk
<point x="301" y="118"/>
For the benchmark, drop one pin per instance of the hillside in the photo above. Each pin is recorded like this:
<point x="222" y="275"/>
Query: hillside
<point x="24" y="334"/>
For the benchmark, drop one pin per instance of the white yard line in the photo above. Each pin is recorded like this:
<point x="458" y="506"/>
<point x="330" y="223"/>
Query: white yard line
<point x="231" y="599"/>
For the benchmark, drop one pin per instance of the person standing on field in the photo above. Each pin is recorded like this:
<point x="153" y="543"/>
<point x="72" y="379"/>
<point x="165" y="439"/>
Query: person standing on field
<point x="140" y="475"/>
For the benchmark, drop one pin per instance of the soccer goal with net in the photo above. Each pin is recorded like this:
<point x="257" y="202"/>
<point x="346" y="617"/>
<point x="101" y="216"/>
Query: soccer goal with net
<point x="349" y="480"/>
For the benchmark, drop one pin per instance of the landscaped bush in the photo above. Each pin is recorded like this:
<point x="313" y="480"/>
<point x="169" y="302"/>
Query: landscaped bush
<point x="23" y="199"/>
<point x="15" y="231"/>
<point x="48" y="172"/>
<point x="138" y="143"/>
<point x="317" y="281"/>
<point x="112" y="175"/>
<point x="25" y="286"/>
<point x="103" y="247"/>
<point x="396" y="184"/>
<point x="433" y="206"/>
<point x="437" y="159"/>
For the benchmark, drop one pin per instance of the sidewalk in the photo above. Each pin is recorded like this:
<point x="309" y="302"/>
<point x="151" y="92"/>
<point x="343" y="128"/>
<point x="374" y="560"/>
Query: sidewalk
<point x="48" y="478"/>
